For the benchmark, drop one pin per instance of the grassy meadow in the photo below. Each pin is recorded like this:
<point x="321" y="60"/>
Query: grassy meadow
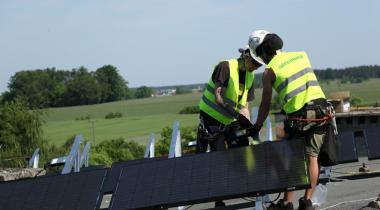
<point x="368" y="91"/>
<point x="144" y="116"/>
<point x="140" y="118"/>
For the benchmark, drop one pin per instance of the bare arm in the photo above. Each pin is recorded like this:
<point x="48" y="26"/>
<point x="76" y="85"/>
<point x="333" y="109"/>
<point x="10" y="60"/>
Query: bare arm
<point x="268" y="81"/>
<point x="218" y="96"/>
<point x="219" y="100"/>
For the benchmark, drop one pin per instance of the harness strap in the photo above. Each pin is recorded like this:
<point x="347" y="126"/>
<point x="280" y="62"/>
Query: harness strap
<point x="326" y="118"/>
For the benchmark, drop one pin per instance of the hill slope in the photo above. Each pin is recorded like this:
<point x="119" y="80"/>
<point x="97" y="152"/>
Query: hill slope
<point x="143" y="116"/>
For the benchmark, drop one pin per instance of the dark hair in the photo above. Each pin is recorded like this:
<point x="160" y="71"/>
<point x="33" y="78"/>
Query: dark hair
<point x="256" y="63"/>
<point x="271" y="43"/>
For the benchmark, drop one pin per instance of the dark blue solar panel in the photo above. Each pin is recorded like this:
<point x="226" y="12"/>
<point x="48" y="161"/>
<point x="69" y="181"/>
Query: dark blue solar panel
<point x="348" y="148"/>
<point x="372" y="138"/>
<point x="270" y="167"/>
<point x="113" y="175"/>
<point x="70" y="191"/>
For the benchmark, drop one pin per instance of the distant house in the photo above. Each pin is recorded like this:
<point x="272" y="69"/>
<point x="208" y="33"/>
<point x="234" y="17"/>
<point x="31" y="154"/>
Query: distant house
<point x="165" y="92"/>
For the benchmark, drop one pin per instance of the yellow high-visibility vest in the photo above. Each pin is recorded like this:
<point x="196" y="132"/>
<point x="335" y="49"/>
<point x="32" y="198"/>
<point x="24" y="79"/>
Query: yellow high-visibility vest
<point x="231" y="95"/>
<point x="295" y="82"/>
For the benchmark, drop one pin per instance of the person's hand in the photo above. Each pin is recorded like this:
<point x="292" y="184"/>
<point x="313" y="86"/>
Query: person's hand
<point x="244" y="111"/>
<point x="254" y="130"/>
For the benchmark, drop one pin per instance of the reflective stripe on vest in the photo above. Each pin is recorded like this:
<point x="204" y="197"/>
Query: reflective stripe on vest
<point x="216" y="107"/>
<point x="231" y="94"/>
<point x="295" y="81"/>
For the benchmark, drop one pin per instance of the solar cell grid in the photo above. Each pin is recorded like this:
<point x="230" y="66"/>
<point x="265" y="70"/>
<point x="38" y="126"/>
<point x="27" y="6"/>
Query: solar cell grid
<point x="211" y="176"/>
<point x="113" y="175"/>
<point x="5" y="189"/>
<point x="66" y="192"/>
<point x="282" y="165"/>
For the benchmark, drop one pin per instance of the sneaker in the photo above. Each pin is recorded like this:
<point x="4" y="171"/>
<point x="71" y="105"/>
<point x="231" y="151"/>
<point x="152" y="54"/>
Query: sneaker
<point x="305" y="204"/>
<point x="281" y="205"/>
<point x="219" y="204"/>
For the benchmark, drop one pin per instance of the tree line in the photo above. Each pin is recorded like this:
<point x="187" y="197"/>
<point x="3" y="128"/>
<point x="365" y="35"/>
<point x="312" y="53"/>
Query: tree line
<point x="57" y="88"/>
<point x="349" y="74"/>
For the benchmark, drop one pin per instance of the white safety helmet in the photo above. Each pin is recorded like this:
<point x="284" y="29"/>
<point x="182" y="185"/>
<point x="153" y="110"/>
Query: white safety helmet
<point x="255" y="40"/>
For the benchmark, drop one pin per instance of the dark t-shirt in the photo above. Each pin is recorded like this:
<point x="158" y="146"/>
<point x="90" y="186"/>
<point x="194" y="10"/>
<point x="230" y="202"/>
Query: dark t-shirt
<point x="220" y="77"/>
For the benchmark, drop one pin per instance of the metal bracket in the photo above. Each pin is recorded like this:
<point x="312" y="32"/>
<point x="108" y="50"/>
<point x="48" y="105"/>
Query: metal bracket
<point x="268" y="129"/>
<point x="73" y="159"/>
<point x="33" y="162"/>
<point x="85" y="155"/>
<point x="254" y="114"/>
<point x="175" y="144"/>
<point x="149" y="151"/>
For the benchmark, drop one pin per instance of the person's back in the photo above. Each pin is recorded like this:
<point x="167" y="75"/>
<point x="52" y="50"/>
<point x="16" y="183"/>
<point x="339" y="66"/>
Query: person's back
<point x="305" y="106"/>
<point x="295" y="82"/>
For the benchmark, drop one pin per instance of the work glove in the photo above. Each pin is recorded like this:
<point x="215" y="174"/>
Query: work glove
<point x="254" y="130"/>
<point x="244" y="121"/>
<point x="251" y="130"/>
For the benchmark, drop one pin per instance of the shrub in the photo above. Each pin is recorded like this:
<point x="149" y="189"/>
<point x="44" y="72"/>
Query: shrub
<point x="355" y="101"/>
<point x="20" y="132"/>
<point x="115" y="150"/>
<point x="190" y="110"/>
<point x="188" y="134"/>
<point x="87" y="117"/>
<point x="143" y="92"/>
<point x="112" y="115"/>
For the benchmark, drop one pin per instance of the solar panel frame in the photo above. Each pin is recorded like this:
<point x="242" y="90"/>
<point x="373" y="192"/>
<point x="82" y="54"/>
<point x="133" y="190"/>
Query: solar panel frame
<point x="211" y="176"/>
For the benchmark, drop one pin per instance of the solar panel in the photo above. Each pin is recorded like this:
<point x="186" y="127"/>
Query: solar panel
<point x="348" y="149"/>
<point x="116" y="168"/>
<point x="70" y="191"/>
<point x="372" y="138"/>
<point x="253" y="170"/>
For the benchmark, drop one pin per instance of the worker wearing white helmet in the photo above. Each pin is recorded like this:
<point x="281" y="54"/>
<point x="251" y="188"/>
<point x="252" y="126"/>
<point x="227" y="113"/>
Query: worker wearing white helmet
<point x="291" y="75"/>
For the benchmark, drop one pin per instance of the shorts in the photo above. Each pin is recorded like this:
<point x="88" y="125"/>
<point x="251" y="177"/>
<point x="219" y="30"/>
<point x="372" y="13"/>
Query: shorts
<point x="314" y="133"/>
<point x="313" y="143"/>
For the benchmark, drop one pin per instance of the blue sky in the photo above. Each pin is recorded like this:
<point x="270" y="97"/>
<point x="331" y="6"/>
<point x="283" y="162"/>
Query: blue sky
<point x="171" y="42"/>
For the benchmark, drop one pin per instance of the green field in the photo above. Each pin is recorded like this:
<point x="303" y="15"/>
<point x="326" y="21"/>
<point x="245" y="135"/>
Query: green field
<point x="368" y="91"/>
<point x="144" y="116"/>
<point x="140" y="118"/>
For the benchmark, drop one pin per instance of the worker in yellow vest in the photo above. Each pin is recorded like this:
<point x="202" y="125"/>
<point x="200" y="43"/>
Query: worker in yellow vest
<point x="304" y="103"/>
<point x="225" y="99"/>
